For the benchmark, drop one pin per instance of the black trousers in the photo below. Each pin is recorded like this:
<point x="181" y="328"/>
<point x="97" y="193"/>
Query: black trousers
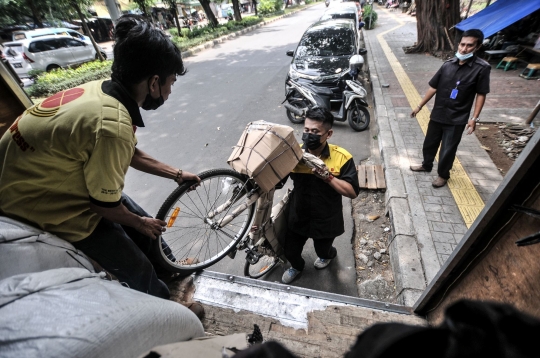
<point x="448" y="137"/>
<point x="294" y="245"/>
<point x="126" y="253"/>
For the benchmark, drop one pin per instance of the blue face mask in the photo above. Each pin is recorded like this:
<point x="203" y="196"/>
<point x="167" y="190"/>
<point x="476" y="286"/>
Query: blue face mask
<point x="464" y="57"/>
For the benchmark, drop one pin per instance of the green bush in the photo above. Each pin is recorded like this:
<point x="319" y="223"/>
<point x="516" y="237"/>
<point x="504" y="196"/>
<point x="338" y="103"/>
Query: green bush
<point x="200" y="35"/>
<point x="173" y="31"/>
<point x="266" y="7"/>
<point x="370" y="17"/>
<point x="61" y="79"/>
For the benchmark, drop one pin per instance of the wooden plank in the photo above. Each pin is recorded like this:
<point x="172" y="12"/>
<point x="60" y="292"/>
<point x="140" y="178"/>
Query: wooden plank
<point x="379" y="177"/>
<point x="362" y="176"/>
<point x="370" y="174"/>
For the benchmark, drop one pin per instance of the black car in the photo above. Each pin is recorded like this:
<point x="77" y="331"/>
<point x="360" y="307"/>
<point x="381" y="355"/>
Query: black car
<point x="323" y="53"/>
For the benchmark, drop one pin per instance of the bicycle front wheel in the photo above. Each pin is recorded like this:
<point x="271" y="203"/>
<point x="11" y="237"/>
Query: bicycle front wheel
<point x="195" y="239"/>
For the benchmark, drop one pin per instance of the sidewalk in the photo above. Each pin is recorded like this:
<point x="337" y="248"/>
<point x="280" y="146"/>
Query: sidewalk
<point x="428" y="223"/>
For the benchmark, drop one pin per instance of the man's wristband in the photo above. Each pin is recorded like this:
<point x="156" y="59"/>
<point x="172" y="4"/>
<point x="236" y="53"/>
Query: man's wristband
<point x="178" y="175"/>
<point x="329" y="179"/>
<point x="476" y="120"/>
<point x="419" y="107"/>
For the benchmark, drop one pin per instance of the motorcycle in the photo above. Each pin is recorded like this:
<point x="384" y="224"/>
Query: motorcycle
<point x="353" y="108"/>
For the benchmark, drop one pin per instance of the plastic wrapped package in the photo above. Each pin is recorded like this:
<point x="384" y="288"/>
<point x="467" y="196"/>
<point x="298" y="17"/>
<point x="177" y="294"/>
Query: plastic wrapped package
<point x="25" y="249"/>
<point x="71" y="312"/>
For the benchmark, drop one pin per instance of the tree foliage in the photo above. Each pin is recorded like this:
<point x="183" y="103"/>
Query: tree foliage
<point x="37" y="12"/>
<point x="144" y="5"/>
<point x="435" y="18"/>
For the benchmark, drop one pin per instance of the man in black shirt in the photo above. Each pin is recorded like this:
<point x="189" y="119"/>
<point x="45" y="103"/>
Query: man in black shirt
<point x="315" y="208"/>
<point x="456" y="84"/>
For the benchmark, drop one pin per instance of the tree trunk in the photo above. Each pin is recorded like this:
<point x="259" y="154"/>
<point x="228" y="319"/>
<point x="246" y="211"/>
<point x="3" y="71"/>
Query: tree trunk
<point x="209" y="13"/>
<point x="176" y="21"/>
<point x="87" y="30"/>
<point x="36" y="16"/>
<point x="236" y="8"/>
<point x="434" y="18"/>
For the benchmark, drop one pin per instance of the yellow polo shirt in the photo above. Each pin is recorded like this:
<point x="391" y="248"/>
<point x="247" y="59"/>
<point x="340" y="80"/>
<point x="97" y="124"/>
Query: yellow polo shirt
<point x="74" y="145"/>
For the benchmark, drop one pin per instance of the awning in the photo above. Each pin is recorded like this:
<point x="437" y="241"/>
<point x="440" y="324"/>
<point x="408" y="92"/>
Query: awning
<point x="499" y="15"/>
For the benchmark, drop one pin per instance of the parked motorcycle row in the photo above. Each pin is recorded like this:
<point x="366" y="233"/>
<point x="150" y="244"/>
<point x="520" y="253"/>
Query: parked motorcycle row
<point x="325" y="67"/>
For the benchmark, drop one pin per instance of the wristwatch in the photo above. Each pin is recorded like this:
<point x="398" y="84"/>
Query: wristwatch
<point x="475" y="119"/>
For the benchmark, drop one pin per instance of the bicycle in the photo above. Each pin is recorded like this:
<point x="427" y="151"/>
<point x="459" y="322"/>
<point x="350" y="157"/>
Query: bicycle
<point x="226" y="214"/>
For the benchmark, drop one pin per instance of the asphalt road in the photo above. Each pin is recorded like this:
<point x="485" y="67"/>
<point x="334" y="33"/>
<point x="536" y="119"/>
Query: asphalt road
<point x="226" y="87"/>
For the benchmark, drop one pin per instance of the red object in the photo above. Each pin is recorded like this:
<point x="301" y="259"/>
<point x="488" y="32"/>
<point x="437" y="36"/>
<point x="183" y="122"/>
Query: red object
<point x="61" y="98"/>
<point x="329" y="179"/>
<point x="28" y="59"/>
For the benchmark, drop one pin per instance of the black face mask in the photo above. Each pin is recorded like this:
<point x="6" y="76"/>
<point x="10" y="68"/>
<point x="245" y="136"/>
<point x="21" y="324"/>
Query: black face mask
<point x="150" y="103"/>
<point x="311" y="141"/>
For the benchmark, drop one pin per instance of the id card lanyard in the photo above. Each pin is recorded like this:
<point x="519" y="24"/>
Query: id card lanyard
<point x="454" y="93"/>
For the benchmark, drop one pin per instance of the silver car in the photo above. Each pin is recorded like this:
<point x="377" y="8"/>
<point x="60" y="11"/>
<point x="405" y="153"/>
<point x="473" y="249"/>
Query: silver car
<point x="47" y="53"/>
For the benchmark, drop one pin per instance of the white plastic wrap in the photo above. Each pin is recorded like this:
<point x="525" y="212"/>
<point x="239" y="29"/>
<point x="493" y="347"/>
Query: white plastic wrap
<point x="52" y="304"/>
<point x="25" y="249"/>
<point x="71" y="312"/>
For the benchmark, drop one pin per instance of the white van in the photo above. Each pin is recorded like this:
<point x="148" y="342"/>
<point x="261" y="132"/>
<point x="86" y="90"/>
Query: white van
<point x="47" y="53"/>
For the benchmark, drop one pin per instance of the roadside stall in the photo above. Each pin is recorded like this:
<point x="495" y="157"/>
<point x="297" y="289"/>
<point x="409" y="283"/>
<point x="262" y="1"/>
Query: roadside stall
<point x="513" y="29"/>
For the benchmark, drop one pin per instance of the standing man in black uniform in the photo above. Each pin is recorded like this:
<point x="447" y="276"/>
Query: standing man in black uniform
<point x="456" y="84"/>
<point x="315" y="209"/>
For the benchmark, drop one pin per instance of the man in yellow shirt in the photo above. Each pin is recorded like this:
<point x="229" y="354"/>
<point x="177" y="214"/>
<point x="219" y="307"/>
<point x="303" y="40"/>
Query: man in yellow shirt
<point x="64" y="161"/>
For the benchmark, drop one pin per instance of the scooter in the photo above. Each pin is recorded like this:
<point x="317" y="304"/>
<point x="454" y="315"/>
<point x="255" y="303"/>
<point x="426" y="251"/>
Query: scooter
<point x="302" y="96"/>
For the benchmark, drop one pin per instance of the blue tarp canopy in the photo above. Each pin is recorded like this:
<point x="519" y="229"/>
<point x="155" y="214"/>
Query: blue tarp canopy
<point x="499" y="15"/>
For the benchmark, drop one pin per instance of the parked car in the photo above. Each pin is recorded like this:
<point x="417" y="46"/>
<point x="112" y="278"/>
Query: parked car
<point x="344" y="10"/>
<point x="47" y="53"/>
<point x="30" y="34"/>
<point x="322" y="56"/>
<point x="6" y="33"/>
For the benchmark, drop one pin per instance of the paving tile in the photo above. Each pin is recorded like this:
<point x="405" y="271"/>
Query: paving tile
<point x="443" y="237"/>
<point x="444" y="227"/>
<point x="449" y="200"/>
<point x="424" y="184"/>
<point x="450" y="209"/>
<point x="443" y="248"/>
<point x="433" y="216"/>
<point x="431" y="199"/>
<point x="425" y="191"/>
<point x="433" y="207"/>
<point x="452" y="218"/>
<point x="458" y="237"/>
<point x="460" y="228"/>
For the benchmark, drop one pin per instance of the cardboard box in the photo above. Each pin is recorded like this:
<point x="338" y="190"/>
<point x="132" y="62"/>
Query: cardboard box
<point x="267" y="152"/>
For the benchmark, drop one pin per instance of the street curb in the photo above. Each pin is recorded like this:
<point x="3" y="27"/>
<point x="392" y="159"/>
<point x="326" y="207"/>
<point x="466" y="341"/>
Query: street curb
<point x="403" y="248"/>
<point x="231" y="36"/>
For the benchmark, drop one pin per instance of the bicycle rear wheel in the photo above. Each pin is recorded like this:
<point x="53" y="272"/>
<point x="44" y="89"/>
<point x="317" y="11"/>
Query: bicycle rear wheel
<point x="194" y="239"/>
<point x="262" y="267"/>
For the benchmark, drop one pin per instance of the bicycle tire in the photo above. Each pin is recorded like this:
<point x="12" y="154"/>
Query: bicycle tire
<point x="186" y="213"/>
<point x="262" y="267"/>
